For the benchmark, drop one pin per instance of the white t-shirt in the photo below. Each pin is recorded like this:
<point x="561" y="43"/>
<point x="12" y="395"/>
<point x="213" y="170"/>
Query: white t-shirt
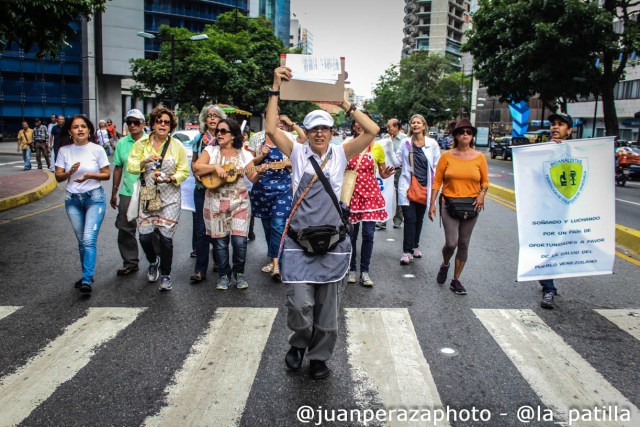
<point x="214" y="155"/>
<point x="92" y="158"/>
<point x="334" y="168"/>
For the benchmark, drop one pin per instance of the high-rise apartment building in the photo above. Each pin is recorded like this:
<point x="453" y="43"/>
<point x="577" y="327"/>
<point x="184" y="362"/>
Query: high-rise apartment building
<point x="300" y="37"/>
<point x="278" y="11"/>
<point x="435" y="26"/>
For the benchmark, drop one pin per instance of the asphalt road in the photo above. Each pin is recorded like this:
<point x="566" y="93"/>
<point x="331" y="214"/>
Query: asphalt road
<point x="134" y="373"/>
<point x="627" y="197"/>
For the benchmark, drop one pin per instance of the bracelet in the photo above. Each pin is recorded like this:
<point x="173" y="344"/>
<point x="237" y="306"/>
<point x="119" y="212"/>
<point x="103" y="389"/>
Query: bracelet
<point x="483" y="190"/>
<point x="350" y="110"/>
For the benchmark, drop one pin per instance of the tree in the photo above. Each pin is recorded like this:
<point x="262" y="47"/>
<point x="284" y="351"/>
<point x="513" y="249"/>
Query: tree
<point x="43" y="23"/>
<point x="422" y="83"/>
<point x="235" y="65"/>
<point x="549" y="48"/>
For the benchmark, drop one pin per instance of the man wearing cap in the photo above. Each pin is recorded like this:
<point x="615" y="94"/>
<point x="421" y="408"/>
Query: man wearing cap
<point x="314" y="271"/>
<point x="561" y="128"/>
<point x="40" y="143"/>
<point x="127" y="242"/>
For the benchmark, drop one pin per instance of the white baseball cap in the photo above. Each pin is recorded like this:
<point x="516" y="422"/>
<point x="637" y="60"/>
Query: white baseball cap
<point x="318" y="118"/>
<point x="135" y="114"/>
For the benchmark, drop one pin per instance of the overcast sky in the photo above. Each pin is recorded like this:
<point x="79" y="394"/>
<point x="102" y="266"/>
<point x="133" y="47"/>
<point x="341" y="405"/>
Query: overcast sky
<point x="367" y="33"/>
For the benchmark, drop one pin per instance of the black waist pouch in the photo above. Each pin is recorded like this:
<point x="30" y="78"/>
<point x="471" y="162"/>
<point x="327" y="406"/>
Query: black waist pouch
<point x="461" y="207"/>
<point x="318" y="239"/>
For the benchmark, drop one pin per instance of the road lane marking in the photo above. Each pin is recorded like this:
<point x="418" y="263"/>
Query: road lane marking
<point x="7" y="310"/>
<point x="6" y="221"/>
<point x="627" y="201"/>
<point x="386" y="358"/>
<point x="213" y="385"/>
<point x="11" y="163"/>
<point x="560" y="377"/>
<point x="33" y="383"/>
<point x="627" y="320"/>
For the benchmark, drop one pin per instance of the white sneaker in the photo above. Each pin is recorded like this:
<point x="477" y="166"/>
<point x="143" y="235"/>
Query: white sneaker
<point x="406" y="259"/>
<point x="165" y="283"/>
<point x="365" y="280"/>
<point x="154" y="270"/>
<point x="353" y="278"/>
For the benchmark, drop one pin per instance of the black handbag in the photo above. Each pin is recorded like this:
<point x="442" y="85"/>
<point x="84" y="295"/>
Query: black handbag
<point x="461" y="207"/>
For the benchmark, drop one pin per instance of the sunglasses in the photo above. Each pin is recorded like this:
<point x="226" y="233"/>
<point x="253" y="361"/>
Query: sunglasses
<point x="465" y="132"/>
<point x="133" y="122"/>
<point x="222" y="132"/>
<point x="163" y="121"/>
<point x="213" y="116"/>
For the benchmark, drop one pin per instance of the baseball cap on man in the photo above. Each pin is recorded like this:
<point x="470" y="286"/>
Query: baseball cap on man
<point x="562" y="117"/>
<point x="317" y="118"/>
<point x="135" y="114"/>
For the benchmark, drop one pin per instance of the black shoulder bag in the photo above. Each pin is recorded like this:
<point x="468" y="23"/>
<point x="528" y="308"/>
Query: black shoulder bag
<point x="320" y="239"/>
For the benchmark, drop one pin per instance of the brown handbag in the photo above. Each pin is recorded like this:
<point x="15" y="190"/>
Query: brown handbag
<point x="417" y="192"/>
<point x="150" y="200"/>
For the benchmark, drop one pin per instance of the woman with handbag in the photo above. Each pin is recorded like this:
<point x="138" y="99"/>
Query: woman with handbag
<point x="162" y="165"/>
<point x="418" y="156"/>
<point x="316" y="248"/>
<point x="367" y="205"/>
<point x="463" y="176"/>
<point x="227" y="211"/>
<point x="83" y="165"/>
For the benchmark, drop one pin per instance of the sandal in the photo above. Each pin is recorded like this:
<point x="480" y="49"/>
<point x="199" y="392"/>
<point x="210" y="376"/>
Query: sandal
<point x="267" y="268"/>
<point x="275" y="275"/>
<point x="197" y="277"/>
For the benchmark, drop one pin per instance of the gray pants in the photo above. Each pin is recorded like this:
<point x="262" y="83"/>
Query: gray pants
<point x="457" y="234"/>
<point x="313" y="316"/>
<point x="127" y="242"/>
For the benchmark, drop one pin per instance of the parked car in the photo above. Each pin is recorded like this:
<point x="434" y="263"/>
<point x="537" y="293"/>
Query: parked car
<point x="502" y="146"/>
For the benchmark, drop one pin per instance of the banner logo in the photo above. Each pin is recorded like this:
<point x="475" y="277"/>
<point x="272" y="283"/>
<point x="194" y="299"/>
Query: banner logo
<point x="566" y="178"/>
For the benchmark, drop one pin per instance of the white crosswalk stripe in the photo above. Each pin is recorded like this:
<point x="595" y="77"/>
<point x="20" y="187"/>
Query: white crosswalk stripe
<point x="627" y="320"/>
<point x="212" y="387"/>
<point x="7" y="310"/>
<point x="384" y="352"/>
<point x="22" y="391"/>
<point x="561" y="378"/>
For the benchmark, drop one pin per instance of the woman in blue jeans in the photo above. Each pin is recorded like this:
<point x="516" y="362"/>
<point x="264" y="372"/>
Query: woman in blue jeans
<point x="83" y="165"/>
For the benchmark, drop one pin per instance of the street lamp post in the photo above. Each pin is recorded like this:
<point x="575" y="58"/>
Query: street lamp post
<point x="173" y="41"/>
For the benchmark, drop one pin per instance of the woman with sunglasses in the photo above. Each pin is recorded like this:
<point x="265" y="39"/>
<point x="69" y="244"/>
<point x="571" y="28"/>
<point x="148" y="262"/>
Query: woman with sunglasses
<point x="210" y="116"/>
<point x="315" y="281"/>
<point x="418" y="156"/>
<point x="167" y="172"/>
<point x="462" y="172"/>
<point x="367" y="204"/>
<point x="83" y="165"/>
<point x="227" y="210"/>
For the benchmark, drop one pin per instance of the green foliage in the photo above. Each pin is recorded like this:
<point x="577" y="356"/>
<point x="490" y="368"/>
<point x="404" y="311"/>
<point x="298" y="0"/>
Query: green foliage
<point x="43" y="23"/>
<point x="234" y="66"/>
<point x="421" y="84"/>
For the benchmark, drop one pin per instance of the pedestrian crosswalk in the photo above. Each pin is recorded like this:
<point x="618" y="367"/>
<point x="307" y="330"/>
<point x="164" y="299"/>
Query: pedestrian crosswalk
<point x="387" y="366"/>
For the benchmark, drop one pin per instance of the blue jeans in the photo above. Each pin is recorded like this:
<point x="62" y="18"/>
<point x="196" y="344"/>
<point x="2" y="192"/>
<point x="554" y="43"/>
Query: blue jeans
<point x="86" y="212"/>
<point x="221" y="254"/>
<point x="548" y="286"/>
<point x="26" y="156"/>
<point x="413" y="219"/>
<point x="200" y="240"/>
<point x="273" y="229"/>
<point x="368" y="230"/>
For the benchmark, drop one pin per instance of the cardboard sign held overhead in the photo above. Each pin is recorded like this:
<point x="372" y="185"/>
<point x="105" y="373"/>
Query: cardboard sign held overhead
<point x="305" y="90"/>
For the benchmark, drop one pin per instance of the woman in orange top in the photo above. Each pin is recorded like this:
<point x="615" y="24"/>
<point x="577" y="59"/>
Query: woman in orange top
<point x="462" y="172"/>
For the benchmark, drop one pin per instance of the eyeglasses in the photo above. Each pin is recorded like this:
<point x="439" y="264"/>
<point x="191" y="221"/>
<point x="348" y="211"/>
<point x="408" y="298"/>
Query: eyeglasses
<point x="133" y="122"/>
<point x="222" y="132"/>
<point x="213" y="116"/>
<point x="319" y="129"/>
<point x="163" y="121"/>
<point x="465" y="132"/>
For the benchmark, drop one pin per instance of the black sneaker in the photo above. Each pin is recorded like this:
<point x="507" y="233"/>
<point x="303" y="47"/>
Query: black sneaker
<point x="442" y="274"/>
<point x="457" y="287"/>
<point x="547" y="300"/>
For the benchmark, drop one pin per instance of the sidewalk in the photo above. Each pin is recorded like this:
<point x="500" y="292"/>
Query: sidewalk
<point x="21" y="187"/>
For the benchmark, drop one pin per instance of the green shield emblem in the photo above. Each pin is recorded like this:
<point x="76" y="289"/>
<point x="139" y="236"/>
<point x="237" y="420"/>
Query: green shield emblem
<point x="566" y="178"/>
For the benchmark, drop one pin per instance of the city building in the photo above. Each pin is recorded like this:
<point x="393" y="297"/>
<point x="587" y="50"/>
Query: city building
<point x="436" y="26"/>
<point x="300" y="37"/>
<point x="278" y="11"/>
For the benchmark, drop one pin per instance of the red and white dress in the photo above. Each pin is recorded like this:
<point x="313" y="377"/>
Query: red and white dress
<point x="367" y="202"/>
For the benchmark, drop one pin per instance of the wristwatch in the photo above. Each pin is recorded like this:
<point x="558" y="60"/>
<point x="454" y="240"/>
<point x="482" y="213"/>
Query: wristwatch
<point x="271" y="92"/>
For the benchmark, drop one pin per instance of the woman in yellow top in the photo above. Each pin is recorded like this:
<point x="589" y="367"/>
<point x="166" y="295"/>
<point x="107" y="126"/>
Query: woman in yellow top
<point x="168" y="172"/>
<point x="462" y="172"/>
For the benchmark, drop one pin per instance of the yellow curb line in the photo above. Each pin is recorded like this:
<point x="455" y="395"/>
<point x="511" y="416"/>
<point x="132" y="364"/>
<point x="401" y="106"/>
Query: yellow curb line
<point x="29" y="196"/>
<point x="625" y="236"/>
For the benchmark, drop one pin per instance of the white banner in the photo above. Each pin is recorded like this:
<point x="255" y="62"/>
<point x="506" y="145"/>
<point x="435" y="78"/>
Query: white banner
<point x="565" y="195"/>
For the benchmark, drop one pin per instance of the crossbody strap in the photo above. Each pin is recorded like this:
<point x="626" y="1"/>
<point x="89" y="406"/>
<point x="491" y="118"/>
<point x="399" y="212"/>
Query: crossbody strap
<point x="327" y="187"/>
<point x="143" y="182"/>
